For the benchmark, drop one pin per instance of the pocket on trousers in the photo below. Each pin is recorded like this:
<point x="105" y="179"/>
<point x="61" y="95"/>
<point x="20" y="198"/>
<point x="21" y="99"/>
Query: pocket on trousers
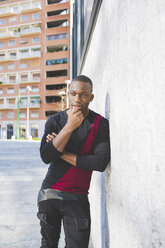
<point x="42" y="217"/>
<point x="42" y="212"/>
<point x="82" y="223"/>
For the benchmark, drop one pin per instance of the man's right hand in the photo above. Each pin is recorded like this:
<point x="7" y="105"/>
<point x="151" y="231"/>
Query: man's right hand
<point x="75" y="118"/>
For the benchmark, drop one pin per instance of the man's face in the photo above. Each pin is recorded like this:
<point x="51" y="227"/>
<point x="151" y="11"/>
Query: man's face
<point x="80" y="95"/>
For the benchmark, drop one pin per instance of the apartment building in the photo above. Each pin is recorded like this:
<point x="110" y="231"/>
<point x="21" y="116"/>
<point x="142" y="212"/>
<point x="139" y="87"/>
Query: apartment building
<point x="34" y="64"/>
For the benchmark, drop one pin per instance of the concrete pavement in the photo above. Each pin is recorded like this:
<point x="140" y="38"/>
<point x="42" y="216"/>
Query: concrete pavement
<point x="21" y="175"/>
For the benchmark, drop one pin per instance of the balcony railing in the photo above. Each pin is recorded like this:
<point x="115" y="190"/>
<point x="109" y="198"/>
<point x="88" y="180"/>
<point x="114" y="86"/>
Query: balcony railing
<point x="35" y="30"/>
<point x="7" y="34"/>
<point x="29" y="80"/>
<point x="8" y="57"/>
<point x="31" y="105"/>
<point x="30" y="55"/>
<point x="31" y="7"/>
<point x="8" y="106"/>
<point x="6" y="12"/>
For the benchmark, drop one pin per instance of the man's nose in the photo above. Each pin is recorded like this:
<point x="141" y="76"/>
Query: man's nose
<point x="77" y="97"/>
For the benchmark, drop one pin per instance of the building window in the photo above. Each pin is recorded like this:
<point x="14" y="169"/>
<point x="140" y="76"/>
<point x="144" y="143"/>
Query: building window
<point x="59" y="23"/>
<point x="24" y="78"/>
<point x="36" y="76"/>
<point x="12" y="19"/>
<point x="1" y="67"/>
<point x="10" y="90"/>
<point x="56" y="61"/>
<point x="22" y="89"/>
<point x="23" y="41"/>
<point x="50" y="112"/>
<point x="55" y="86"/>
<point x="57" y="12"/>
<point x="1" y="44"/>
<point x="11" y="66"/>
<point x="2" y="22"/>
<point x="56" y="1"/>
<point x="22" y="114"/>
<point x="57" y="36"/>
<point x="13" y="55"/>
<point x="23" y="65"/>
<point x="11" y="101"/>
<point x="36" y="16"/>
<point x="35" y="101"/>
<point x="10" y="115"/>
<point x="12" y="42"/>
<point x="24" y="18"/>
<point x="52" y="99"/>
<point x="57" y="48"/>
<point x="34" y="114"/>
<point x="35" y="89"/>
<point x="2" y="56"/>
<point x="34" y="130"/>
<point x="15" y="9"/>
<point x="59" y="73"/>
<point x="36" y="51"/>
<point x="24" y="52"/>
<point x="36" y="39"/>
<point x="1" y="91"/>
<point x="23" y="102"/>
<point x="12" y="79"/>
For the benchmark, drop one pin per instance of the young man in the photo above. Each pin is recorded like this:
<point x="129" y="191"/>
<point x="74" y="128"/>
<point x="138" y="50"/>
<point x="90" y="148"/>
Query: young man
<point x="75" y="143"/>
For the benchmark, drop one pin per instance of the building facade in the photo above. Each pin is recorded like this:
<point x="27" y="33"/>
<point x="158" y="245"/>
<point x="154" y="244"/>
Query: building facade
<point x="34" y="64"/>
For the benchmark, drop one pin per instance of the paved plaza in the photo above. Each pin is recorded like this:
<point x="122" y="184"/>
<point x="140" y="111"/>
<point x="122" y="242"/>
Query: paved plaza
<point x="21" y="175"/>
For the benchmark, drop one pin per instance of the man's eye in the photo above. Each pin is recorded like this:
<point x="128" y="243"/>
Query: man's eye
<point x="72" y="93"/>
<point x="84" y="95"/>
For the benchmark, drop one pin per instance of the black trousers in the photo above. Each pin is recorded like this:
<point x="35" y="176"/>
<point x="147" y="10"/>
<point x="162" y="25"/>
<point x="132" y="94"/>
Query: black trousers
<point x="75" y="215"/>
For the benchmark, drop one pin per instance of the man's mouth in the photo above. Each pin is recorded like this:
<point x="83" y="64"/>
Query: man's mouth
<point x="76" y="106"/>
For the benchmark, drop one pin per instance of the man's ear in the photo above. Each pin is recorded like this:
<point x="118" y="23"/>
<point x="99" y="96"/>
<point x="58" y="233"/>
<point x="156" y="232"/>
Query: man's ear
<point x="91" y="97"/>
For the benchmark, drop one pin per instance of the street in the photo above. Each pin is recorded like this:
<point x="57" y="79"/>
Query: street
<point x="21" y="175"/>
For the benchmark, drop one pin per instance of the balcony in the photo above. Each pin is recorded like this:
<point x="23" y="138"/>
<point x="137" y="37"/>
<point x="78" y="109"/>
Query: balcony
<point x="29" y="80"/>
<point x="31" y="105"/>
<point x="8" y="81"/>
<point x="30" y="31"/>
<point x="8" y="106"/>
<point x="30" y="55"/>
<point x="7" y="34"/>
<point x="30" y="7"/>
<point x="7" y="58"/>
<point x="6" y="12"/>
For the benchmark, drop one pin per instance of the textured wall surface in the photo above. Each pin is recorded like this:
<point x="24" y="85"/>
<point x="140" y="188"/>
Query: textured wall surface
<point x="126" y="61"/>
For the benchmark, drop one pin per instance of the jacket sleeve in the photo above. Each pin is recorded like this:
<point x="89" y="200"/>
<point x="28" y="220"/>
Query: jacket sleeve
<point x="48" y="152"/>
<point x="100" y="157"/>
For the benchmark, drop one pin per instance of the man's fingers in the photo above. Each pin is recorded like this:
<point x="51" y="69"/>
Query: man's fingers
<point x="54" y="134"/>
<point x="49" y="137"/>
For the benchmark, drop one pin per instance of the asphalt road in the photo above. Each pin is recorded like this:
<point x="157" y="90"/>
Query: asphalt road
<point x="21" y="175"/>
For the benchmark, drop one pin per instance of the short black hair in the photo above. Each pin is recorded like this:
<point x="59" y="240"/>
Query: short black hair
<point x="83" y="78"/>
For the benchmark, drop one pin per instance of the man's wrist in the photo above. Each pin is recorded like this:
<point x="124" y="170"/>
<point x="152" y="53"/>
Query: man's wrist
<point x="68" y="128"/>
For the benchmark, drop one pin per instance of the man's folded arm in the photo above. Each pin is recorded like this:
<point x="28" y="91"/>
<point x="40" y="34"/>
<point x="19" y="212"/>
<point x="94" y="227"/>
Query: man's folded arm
<point x="100" y="157"/>
<point x="97" y="161"/>
<point x="48" y="152"/>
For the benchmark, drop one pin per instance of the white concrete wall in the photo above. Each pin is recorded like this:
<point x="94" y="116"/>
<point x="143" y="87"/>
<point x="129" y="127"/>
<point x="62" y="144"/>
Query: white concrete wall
<point x="126" y="61"/>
